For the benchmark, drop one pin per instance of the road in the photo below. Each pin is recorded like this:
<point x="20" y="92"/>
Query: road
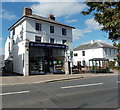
<point x="96" y="92"/>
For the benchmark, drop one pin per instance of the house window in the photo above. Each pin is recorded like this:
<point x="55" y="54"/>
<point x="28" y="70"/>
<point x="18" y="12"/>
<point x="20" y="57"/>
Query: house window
<point x="110" y="52"/>
<point x="13" y="31"/>
<point x="37" y="38"/>
<point x="63" y="31"/>
<point x="13" y="42"/>
<point x="51" y="29"/>
<point x="105" y="51"/>
<point x="38" y="26"/>
<point x="83" y="53"/>
<point x="52" y="40"/>
<point x="84" y="63"/>
<point x="23" y="60"/>
<point x="9" y="47"/>
<point x="114" y="51"/>
<point x="75" y="54"/>
<point x="64" y="41"/>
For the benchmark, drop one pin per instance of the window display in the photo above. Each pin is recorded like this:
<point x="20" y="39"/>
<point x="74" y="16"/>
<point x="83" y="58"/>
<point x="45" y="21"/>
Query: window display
<point x="46" y="60"/>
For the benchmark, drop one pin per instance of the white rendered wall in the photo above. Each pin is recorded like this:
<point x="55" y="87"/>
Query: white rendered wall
<point x="20" y="33"/>
<point x="45" y="32"/>
<point x="7" y="48"/>
<point x="89" y="54"/>
<point x="111" y="56"/>
<point x="18" y="57"/>
<point x="94" y="53"/>
<point x="26" y="30"/>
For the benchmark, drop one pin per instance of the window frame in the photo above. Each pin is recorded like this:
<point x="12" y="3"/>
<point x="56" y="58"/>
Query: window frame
<point x="63" y="41"/>
<point x="64" y="31"/>
<point x="13" y="31"/>
<point x="51" y="40"/>
<point x="75" y="54"/>
<point x="51" y="29"/>
<point x="38" y="26"/>
<point x="36" y="39"/>
<point x="83" y="53"/>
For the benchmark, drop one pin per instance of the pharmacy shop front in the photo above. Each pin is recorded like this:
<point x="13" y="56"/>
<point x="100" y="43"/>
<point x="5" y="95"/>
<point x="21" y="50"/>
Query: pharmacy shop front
<point x="46" y="58"/>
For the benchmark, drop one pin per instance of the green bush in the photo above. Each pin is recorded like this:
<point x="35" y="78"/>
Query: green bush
<point x="115" y="68"/>
<point x="111" y="64"/>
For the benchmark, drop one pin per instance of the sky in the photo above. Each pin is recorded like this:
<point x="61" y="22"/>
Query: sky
<point x="69" y="13"/>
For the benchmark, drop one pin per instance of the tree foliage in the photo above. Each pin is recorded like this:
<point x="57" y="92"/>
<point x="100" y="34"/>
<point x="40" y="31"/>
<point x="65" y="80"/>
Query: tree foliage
<point x="106" y="14"/>
<point x="117" y="45"/>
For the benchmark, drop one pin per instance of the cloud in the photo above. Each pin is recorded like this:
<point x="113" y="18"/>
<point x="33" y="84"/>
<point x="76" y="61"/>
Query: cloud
<point x="57" y="8"/>
<point x="43" y="0"/>
<point x="77" y="33"/>
<point x="92" y="24"/>
<point x="0" y="38"/>
<point x="71" y="21"/>
<point x="7" y="15"/>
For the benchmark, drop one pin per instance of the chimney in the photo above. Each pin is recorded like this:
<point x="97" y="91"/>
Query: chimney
<point x="51" y="16"/>
<point x="27" y="11"/>
<point x="92" y="41"/>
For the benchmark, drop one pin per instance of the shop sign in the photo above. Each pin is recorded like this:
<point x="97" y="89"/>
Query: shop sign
<point x="46" y="45"/>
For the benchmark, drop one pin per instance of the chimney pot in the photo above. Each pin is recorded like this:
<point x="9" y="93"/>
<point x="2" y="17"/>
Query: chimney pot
<point x="27" y="11"/>
<point x="51" y="16"/>
<point x="92" y="41"/>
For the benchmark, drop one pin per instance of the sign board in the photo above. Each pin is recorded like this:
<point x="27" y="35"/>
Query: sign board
<point x="46" y="45"/>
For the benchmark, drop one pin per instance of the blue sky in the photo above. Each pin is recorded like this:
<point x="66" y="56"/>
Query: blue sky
<point x="65" y="12"/>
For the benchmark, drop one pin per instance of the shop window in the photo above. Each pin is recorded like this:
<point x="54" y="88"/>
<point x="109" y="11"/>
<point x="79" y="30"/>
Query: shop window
<point x="63" y="31"/>
<point x="38" y="26"/>
<point x="64" y="41"/>
<point x="75" y="54"/>
<point x="51" y="29"/>
<point x="37" y="38"/>
<point x="83" y="53"/>
<point x="52" y="40"/>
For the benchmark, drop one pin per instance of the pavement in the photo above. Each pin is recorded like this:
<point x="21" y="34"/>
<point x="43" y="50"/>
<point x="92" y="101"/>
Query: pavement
<point x="34" y="79"/>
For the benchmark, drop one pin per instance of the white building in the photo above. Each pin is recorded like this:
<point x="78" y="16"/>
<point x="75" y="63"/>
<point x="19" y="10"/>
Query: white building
<point x="91" y="50"/>
<point x="38" y="44"/>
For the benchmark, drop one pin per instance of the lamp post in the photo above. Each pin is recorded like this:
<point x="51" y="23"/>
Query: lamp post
<point x="69" y="58"/>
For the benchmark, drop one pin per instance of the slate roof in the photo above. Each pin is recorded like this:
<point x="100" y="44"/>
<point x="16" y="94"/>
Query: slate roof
<point x="36" y="17"/>
<point x="93" y="46"/>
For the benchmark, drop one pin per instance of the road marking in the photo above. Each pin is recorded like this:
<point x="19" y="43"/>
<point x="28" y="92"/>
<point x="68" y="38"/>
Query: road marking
<point x="21" y="92"/>
<point x="67" y="87"/>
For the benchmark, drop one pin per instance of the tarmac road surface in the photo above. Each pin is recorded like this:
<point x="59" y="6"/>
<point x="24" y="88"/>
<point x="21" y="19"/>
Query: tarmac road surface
<point x="93" y="92"/>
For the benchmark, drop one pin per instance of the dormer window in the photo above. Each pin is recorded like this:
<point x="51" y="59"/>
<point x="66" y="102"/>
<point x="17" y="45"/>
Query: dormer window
<point x="38" y="26"/>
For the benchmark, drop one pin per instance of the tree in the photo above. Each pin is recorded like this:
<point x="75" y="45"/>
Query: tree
<point x="106" y="14"/>
<point x="116" y="45"/>
<point x="118" y="54"/>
